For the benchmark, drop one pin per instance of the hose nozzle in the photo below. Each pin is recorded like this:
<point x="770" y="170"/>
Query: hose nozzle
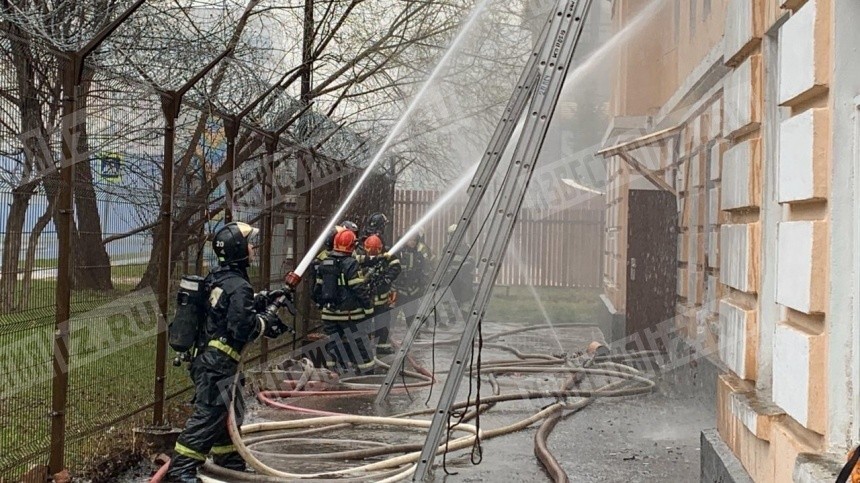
<point x="292" y="279"/>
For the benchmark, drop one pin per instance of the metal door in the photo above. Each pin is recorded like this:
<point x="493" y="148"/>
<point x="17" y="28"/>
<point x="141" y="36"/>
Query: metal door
<point x="652" y="266"/>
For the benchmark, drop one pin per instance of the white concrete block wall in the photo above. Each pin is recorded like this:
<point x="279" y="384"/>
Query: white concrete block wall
<point x="800" y="262"/>
<point x="736" y="257"/>
<point x="712" y="295"/>
<point x="713" y="206"/>
<point x="738" y="112"/>
<point x="736" y="338"/>
<point x="695" y="131"/>
<point x="797" y="53"/>
<point x="740" y="30"/>
<point x="738" y="181"/>
<point x="716" y="161"/>
<point x="714" y="250"/>
<point x="791" y="372"/>
<point x="695" y="200"/>
<point x="802" y="152"/>
<point x="696" y="177"/>
<point x="716" y="119"/>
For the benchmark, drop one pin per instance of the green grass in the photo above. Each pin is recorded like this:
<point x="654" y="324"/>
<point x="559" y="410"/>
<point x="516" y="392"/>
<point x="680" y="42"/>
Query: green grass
<point x="110" y="377"/>
<point x="112" y="371"/>
<point x="52" y="262"/>
<point x="563" y="305"/>
<point x="112" y="345"/>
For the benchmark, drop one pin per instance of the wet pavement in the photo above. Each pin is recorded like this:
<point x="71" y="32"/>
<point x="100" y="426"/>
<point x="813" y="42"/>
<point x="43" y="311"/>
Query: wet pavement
<point x="647" y="438"/>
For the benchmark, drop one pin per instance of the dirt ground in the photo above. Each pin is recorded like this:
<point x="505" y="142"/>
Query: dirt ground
<point x="647" y="438"/>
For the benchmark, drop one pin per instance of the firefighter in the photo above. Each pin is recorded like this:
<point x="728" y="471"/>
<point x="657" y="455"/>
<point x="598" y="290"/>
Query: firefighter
<point x="461" y="272"/>
<point x="380" y="269"/>
<point x="329" y="241"/>
<point x="234" y="317"/>
<point x="415" y="263"/>
<point x="375" y="225"/>
<point x="425" y="250"/>
<point x="350" y="225"/>
<point x="345" y="304"/>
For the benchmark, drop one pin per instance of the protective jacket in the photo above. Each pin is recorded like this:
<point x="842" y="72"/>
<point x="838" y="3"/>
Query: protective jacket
<point x="384" y="270"/>
<point x="462" y="285"/>
<point x="416" y="264"/>
<point x="231" y="320"/>
<point x="231" y="323"/>
<point x="354" y="301"/>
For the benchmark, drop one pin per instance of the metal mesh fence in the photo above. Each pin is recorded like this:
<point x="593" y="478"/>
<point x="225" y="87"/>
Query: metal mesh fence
<point x="82" y="409"/>
<point x="28" y="188"/>
<point x="91" y="249"/>
<point x="115" y="310"/>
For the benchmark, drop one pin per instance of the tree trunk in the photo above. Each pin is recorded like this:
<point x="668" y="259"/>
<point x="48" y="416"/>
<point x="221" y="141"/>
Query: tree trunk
<point x="32" y="244"/>
<point x="12" y="248"/>
<point x="92" y="263"/>
<point x="180" y="243"/>
<point x="31" y="121"/>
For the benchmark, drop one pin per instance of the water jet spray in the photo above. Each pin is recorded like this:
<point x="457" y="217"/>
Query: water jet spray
<point x="292" y="279"/>
<point x="438" y="205"/>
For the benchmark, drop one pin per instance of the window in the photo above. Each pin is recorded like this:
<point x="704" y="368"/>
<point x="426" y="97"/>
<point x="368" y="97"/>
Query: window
<point x="706" y="9"/>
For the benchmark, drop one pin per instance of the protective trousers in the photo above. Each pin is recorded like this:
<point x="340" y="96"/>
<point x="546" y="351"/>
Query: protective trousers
<point x="409" y="302"/>
<point x="348" y="341"/>
<point x="206" y="430"/>
<point x="382" y="326"/>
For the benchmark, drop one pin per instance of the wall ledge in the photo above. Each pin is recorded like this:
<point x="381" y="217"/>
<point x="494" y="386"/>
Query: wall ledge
<point x="814" y="468"/>
<point x="718" y="463"/>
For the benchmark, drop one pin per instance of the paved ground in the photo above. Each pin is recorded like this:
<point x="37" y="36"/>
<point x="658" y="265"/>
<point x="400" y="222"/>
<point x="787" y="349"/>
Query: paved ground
<point x="644" y="439"/>
<point x="652" y="438"/>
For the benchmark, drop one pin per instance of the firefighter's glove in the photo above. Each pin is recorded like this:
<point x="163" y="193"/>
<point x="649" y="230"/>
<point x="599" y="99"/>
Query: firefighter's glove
<point x="272" y="325"/>
<point x="376" y="278"/>
<point x="264" y="298"/>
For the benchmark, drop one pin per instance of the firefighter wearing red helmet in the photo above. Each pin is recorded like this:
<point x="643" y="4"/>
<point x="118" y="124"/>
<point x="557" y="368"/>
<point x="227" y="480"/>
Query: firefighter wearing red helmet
<point x="344" y="299"/>
<point x="380" y="269"/>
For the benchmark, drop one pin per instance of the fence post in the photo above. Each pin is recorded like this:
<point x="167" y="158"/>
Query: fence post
<point x="66" y="217"/>
<point x="170" y="108"/>
<point x="231" y="130"/>
<point x="267" y="232"/>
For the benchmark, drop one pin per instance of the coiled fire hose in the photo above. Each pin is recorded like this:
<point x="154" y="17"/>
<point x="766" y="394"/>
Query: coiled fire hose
<point x="401" y="467"/>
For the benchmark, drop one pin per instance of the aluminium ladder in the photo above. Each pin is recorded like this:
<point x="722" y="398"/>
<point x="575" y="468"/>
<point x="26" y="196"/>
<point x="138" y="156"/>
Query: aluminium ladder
<point x="540" y="83"/>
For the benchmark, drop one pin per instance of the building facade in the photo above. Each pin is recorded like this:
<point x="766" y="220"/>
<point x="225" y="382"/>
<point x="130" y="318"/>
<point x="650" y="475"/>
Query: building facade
<point x="744" y="114"/>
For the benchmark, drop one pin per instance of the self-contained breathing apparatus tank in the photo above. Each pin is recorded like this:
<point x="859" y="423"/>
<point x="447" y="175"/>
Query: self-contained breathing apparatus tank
<point x="329" y="292"/>
<point x="186" y="327"/>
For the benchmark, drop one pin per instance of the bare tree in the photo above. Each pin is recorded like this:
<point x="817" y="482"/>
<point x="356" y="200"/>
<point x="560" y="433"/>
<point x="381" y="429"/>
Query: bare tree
<point x="356" y="62"/>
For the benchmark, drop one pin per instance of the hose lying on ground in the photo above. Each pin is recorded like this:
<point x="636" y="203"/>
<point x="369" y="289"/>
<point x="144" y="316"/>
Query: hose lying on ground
<point x="400" y="467"/>
<point x="460" y="443"/>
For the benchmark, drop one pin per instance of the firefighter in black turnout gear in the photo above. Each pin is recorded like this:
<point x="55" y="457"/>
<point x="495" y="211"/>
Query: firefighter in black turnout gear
<point x="380" y="269"/>
<point x="461" y="272"/>
<point x="375" y="225"/>
<point x="416" y="261"/>
<point x="234" y="317"/>
<point x="344" y="299"/>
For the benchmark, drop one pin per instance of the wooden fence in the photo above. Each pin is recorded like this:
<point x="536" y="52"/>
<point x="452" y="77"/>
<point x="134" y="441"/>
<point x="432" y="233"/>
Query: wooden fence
<point x="563" y="248"/>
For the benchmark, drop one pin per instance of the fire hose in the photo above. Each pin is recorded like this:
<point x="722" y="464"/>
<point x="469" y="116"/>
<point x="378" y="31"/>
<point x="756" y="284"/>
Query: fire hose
<point x="400" y="467"/>
<point x="645" y="385"/>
